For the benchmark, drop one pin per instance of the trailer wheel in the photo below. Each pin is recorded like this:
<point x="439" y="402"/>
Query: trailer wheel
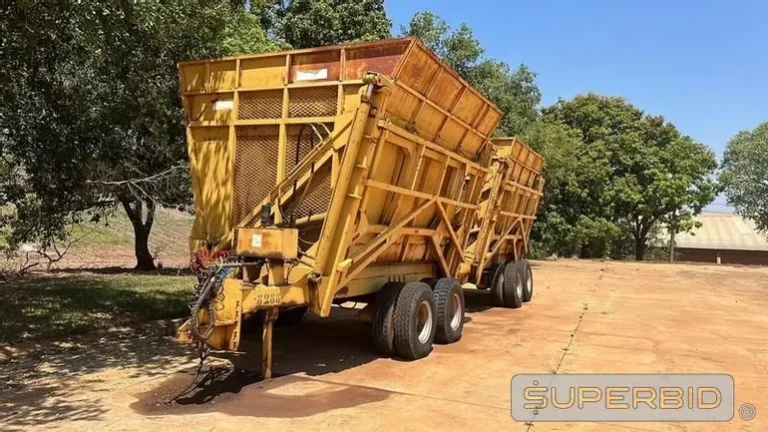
<point x="526" y="273"/>
<point x="383" y="331"/>
<point x="497" y="284"/>
<point x="449" y="299"/>
<point x="414" y="321"/>
<point x="513" y="286"/>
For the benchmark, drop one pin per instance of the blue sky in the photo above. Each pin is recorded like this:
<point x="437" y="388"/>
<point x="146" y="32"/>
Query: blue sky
<point x="703" y="65"/>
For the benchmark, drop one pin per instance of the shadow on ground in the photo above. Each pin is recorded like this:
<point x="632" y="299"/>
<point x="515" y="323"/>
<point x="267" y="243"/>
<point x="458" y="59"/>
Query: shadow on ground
<point x="66" y="381"/>
<point x="313" y="348"/>
<point x="46" y="389"/>
<point x="477" y="300"/>
<point x="62" y="304"/>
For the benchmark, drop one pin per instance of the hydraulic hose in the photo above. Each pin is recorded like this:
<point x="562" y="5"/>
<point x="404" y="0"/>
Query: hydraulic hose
<point x="218" y="274"/>
<point x="201" y="299"/>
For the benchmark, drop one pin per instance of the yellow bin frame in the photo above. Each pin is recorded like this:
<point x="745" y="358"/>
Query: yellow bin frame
<point x="387" y="188"/>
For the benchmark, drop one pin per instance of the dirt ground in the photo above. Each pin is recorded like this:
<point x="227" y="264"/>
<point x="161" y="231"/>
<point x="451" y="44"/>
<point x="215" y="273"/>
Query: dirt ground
<point x="585" y="317"/>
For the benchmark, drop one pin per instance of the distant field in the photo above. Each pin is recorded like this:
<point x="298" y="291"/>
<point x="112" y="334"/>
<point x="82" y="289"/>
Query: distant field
<point x="110" y="243"/>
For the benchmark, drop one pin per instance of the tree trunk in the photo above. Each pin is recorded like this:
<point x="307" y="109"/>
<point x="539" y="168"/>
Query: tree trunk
<point x="144" y="259"/>
<point x="141" y="218"/>
<point x="672" y="232"/>
<point x="672" y="246"/>
<point x="640" y="248"/>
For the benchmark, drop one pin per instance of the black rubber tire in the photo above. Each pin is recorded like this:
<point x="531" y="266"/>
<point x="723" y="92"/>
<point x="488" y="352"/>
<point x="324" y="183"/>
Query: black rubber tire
<point x="513" y="288"/>
<point x="497" y="284"/>
<point x="291" y="316"/>
<point x="383" y="329"/>
<point x="406" y="321"/>
<point x="526" y="273"/>
<point x="445" y="289"/>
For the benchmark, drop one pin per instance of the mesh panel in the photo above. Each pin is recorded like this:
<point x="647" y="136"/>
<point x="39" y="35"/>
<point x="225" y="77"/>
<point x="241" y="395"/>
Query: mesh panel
<point x="255" y="168"/>
<point x="261" y="105"/>
<point x="308" y="140"/>
<point x="313" y="101"/>
<point x="317" y="198"/>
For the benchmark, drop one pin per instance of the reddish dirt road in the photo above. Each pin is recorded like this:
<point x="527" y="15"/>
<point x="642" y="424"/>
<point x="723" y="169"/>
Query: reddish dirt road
<point x="585" y="317"/>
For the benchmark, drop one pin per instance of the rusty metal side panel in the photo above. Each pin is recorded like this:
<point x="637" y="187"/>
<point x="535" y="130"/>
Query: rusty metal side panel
<point x="381" y="59"/>
<point x="437" y="104"/>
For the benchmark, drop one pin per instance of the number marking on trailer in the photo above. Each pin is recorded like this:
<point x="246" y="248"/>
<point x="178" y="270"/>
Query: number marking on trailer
<point x="270" y="297"/>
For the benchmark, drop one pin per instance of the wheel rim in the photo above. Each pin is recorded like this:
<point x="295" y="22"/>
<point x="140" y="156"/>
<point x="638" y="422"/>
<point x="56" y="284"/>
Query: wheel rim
<point x="528" y="282"/>
<point x="501" y="282"/>
<point x="519" y="288"/>
<point x="455" y="311"/>
<point x="424" y="323"/>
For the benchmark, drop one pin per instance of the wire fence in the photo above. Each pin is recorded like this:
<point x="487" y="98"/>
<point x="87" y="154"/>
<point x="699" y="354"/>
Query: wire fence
<point x="110" y="244"/>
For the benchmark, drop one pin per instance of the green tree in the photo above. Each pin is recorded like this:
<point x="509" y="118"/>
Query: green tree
<point x="638" y="170"/>
<point x="744" y="175"/>
<point x="514" y="91"/>
<point x="244" y="35"/>
<point x="91" y="110"/>
<point x="574" y="216"/>
<point x="313" y="23"/>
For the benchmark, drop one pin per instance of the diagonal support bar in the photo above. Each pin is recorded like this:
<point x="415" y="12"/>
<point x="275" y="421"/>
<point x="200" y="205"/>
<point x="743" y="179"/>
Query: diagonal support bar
<point x="449" y="228"/>
<point x="378" y="245"/>
<point x="440" y="257"/>
<point x="503" y="237"/>
<point x="276" y="192"/>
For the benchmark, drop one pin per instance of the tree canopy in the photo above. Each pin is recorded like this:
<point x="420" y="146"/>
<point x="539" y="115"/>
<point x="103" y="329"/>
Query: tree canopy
<point x="91" y="108"/>
<point x="614" y="170"/>
<point x="744" y="175"/>
<point x="312" y="23"/>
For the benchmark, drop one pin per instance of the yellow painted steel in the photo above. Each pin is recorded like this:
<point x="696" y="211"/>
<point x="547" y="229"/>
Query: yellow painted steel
<point x="377" y="153"/>
<point x="508" y="206"/>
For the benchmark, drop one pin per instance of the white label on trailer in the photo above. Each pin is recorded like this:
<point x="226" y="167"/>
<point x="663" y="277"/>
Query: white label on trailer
<point x="310" y="75"/>
<point x="222" y="105"/>
<point x="256" y="240"/>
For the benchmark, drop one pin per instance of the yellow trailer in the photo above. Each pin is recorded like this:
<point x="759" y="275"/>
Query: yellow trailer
<point x="330" y="174"/>
<point x="498" y="241"/>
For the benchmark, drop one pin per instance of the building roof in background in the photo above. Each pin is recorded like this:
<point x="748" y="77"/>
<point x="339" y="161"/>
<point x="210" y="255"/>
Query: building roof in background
<point x="724" y="231"/>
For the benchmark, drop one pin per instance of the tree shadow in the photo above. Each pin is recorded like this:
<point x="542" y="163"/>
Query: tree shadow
<point x="62" y="305"/>
<point x="61" y="382"/>
<point x="49" y="388"/>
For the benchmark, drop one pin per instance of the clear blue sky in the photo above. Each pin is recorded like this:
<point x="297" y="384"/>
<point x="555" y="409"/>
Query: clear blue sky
<point x="703" y="65"/>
